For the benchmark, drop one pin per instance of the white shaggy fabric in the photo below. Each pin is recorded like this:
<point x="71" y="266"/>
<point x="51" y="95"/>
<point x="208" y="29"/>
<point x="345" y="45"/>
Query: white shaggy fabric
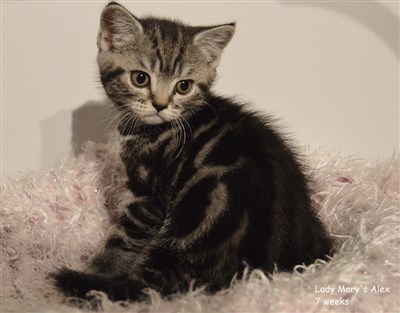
<point x="59" y="217"/>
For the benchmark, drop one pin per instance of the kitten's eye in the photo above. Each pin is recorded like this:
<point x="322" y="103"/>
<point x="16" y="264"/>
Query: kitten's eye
<point x="184" y="86"/>
<point x="140" y="79"/>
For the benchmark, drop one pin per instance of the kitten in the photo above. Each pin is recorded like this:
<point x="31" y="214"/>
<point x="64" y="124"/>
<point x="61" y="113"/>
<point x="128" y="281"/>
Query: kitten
<point x="210" y="186"/>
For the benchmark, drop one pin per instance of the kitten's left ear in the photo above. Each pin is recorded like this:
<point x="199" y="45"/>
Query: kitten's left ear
<point x="212" y="41"/>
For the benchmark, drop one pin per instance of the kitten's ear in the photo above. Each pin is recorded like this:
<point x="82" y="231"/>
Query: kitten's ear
<point x="117" y="27"/>
<point x="212" y="41"/>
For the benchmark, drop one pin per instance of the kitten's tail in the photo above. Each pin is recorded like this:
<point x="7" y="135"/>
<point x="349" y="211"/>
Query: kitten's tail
<point x="78" y="284"/>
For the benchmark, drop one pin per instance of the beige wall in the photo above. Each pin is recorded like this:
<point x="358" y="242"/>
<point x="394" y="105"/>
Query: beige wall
<point x="330" y="70"/>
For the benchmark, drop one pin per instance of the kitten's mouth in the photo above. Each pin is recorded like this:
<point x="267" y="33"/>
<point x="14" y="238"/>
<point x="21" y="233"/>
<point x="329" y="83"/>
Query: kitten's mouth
<point x="154" y="118"/>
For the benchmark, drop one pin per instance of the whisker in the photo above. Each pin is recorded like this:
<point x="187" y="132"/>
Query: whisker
<point x="184" y="130"/>
<point x="175" y="136"/>
<point x="182" y="139"/>
<point x="112" y="124"/>
<point x="125" y="119"/>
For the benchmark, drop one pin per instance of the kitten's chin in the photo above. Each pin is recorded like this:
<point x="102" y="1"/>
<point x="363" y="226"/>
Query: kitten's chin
<point x="153" y="119"/>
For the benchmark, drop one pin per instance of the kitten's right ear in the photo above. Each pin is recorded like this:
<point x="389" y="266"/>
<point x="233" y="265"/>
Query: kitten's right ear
<point x="213" y="40"/>
<point x="117" y="27"/>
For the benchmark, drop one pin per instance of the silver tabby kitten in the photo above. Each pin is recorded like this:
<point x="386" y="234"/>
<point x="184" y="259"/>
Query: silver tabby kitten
<point x="210" y="186"/>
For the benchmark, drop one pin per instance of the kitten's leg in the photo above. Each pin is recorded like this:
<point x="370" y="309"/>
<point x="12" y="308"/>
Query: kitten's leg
<point x="139" y="221"/>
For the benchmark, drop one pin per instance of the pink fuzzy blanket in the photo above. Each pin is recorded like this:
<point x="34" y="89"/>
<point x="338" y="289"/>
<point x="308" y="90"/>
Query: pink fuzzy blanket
<point x="59" y="217"/>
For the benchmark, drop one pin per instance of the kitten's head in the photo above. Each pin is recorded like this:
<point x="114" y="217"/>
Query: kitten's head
<point x="155" y="69"/>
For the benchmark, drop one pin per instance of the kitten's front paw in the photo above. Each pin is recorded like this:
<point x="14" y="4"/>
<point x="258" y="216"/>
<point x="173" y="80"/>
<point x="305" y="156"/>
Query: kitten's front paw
<point x="78" y="284"/>
<point x="73" y="283"/>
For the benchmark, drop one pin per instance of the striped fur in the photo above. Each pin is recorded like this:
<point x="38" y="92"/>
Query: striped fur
<point x="210" y="186"/>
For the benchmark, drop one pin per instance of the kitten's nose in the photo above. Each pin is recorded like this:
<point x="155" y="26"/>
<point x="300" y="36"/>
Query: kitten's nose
<point x="159" y="107"/>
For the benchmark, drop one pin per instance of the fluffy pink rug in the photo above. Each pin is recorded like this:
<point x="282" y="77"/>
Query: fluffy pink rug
<point x="59" y="217"/>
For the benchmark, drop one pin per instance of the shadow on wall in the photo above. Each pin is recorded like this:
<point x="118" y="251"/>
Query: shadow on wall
<point x="373" y="15"/>
<point x="54" y="138"/>
<point x="91" y="121"/>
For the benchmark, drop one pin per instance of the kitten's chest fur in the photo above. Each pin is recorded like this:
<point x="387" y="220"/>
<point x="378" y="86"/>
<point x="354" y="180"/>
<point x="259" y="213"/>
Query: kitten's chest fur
<point x="152" y="159"/>
<point x="146" y="161"/>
